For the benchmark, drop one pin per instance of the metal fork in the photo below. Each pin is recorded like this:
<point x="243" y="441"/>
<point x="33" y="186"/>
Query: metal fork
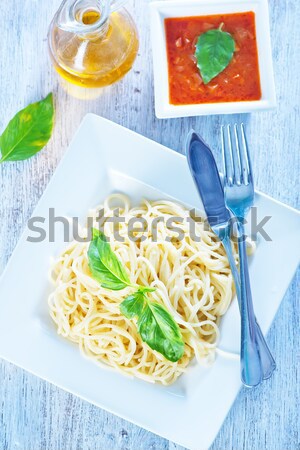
<point x="257" y="362"/>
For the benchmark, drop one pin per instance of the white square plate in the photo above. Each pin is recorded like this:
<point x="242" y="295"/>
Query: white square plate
<point x="187" y="8"/>
<point x="105" y="157"/>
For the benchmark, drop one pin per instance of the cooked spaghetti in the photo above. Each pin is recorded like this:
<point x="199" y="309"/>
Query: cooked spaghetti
<point x="192" y="278"/>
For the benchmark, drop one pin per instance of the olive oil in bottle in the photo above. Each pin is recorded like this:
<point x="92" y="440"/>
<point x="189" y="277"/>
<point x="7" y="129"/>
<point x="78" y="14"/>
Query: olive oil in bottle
<point x="92" y="43"/>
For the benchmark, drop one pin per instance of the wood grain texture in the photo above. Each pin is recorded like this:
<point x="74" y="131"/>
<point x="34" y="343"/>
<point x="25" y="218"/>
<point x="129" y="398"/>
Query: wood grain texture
<point x="35" y="415"/>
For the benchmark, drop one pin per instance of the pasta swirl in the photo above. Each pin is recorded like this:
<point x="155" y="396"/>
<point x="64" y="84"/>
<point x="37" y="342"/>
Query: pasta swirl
<point x="192" y="280"/>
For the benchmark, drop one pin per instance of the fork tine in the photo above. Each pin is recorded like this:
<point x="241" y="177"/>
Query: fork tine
<point x="246" y="153"/>
<point x="242" y="169"/>
<point x="227" y="155"/>
<point x="236" y="156"/>
<point x="242" y="150"/>
<point x="233" y="145"/>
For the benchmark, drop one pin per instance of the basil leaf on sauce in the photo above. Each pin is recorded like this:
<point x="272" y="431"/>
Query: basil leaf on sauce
<point x="28" y="131"/>
<point x="104" y="264"/>
<point x="214" y="51"/>
<point x="155" y="325"/>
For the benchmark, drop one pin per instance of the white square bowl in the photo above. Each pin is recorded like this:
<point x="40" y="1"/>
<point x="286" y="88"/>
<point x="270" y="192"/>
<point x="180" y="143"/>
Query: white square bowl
<point x="161" y="10"/>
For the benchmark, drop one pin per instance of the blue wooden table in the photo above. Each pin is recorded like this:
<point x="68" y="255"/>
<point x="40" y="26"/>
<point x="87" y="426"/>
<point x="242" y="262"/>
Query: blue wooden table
<point x="35" y="415"/>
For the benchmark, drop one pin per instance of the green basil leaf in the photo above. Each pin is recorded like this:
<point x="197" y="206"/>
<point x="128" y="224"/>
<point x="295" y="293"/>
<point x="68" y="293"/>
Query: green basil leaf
<point x="28" y="132"/>
<point x="146" y="289"/>
<point x="95" y="233"/>
<point x="104" y="265"/>
<point x="155" y="325"/>
<point x="160" y="331"/>
<point x="214" y="51"/>
<point x="133" y="304"/>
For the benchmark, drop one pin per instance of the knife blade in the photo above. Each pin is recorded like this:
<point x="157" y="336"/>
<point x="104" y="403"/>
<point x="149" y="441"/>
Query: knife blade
<point x="207" y="179"/>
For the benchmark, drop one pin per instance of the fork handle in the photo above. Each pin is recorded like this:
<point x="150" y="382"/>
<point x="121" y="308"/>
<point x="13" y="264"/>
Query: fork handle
<point x="267" y="361"/>
<point x="251" y="367"/>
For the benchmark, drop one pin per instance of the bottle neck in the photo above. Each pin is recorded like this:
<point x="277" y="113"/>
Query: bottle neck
<point x="84" y="17"/>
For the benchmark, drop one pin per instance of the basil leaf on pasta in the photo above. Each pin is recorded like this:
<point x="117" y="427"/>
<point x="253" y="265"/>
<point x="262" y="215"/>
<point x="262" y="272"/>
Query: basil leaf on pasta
<point x="104" y="264"/>
<point x="160" y="331"/>
<point x="155" y="325"/>
<point x="133" y="305"/>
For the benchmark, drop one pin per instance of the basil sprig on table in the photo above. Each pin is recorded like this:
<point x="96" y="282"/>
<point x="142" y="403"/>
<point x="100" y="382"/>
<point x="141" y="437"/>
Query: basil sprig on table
<point x="28" y="131"/>
<point x="155" y="324"/>
<point x="214" y="51"/>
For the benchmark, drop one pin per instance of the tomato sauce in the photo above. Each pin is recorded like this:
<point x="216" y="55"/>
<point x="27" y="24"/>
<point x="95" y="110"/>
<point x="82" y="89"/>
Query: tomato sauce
<point x="239" y="81"/>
